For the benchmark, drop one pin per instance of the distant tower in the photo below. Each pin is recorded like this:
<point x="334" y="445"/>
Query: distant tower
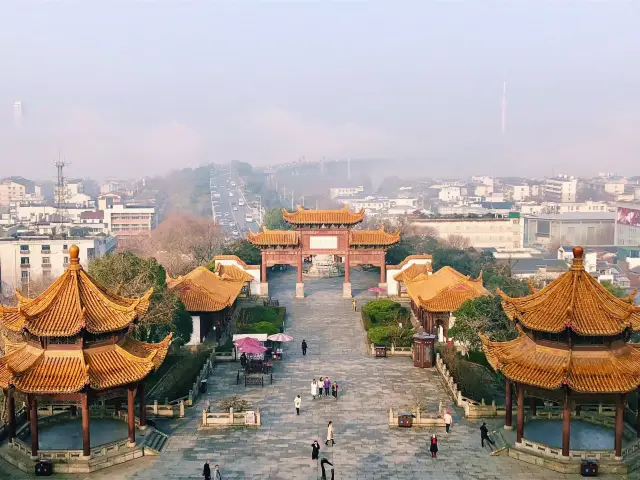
<point x="504" y="107"/>
<point x="61" y="192"/>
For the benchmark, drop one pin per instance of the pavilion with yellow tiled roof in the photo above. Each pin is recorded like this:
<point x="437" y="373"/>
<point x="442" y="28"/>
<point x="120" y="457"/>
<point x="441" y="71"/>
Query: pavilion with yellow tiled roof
<point x="73" y="342"/>
<point x="572" y="347"/>
<point x="434" y="297"/>
<point x="322" y="232"/>
<point x="209" y="296"/>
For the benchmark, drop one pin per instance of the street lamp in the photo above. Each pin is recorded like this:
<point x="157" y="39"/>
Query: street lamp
<point x="259" y="209"/>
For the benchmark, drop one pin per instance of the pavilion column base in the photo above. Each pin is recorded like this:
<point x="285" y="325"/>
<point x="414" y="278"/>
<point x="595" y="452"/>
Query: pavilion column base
<point x="264" y="289"/>
<point x="85" y="457"/>
<point x="508" y="427"/>
<point x="618" y="458"/>
<point x="300" y="290"/>
<point x="346" y="290"/>
<point x="384" y="286"/>
<point x="131" y="444"/>
<point x="34" y="457"/>
<point x="143" y="427"/>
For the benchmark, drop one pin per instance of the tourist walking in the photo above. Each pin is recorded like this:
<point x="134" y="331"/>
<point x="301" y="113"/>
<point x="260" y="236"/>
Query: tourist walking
<point x="448" y="421"/>
<point x="304" y="347"/>
<point x="314" y="388"/>
<point x="327" y="386"/>
<point x="320" y="386"/>
<point x="324" y="462"/>
<point x="484" y="434"/>
<point x="334" y="389"/>
<point x="330" y="434"/>
<point x="433" y="448"/>
<point x="206" y="471"/>
<point x="297" y="402"/>
<point x="216" y="474"/>
<point x="315" y="450"/>
<point x="354" y="303"/>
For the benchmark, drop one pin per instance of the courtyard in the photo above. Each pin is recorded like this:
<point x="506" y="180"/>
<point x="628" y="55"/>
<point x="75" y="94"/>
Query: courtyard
<point x="366" y="448"/>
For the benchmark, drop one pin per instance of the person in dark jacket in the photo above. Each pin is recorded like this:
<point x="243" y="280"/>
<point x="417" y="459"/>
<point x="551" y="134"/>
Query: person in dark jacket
<point x="324" y="462"/>
<point x="433" y="448"/>
<point x="334" y="389"/>
<point x="206" y="472"/>
<point x="484" y="434"/>
<point x="315" y="450"/>
<point x="304" y="347"/>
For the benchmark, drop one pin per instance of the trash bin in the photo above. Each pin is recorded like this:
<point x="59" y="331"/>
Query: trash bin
<point x="43" y="468"/>
<point x="589" y="468"/>
<point x="405" y="419"/>
<point x="381" y="350"/>
<point x="203" y="386"/>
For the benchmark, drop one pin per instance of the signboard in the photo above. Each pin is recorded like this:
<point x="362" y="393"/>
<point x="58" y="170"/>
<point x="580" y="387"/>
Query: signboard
<point x="628" y="216"/>
<point x="323" y="243"/>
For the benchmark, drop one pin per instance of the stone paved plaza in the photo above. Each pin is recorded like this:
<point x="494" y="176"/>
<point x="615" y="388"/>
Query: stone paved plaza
<point x="366" y="448"/>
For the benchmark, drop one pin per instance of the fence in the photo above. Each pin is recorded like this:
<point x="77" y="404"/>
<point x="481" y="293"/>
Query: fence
<point x="173" y="409"/>
<point x="249" y="418"/>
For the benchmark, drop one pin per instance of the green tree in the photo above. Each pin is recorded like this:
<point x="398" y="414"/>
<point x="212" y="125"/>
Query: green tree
<point x="132" y="276"/>
<point x="615" y="290"/>
<point x="244" y="250"/>
<point x="273" y="220"/>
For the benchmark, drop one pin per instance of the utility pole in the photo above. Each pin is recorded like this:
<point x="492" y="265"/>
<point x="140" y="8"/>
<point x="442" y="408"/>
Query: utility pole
<point x="61" y="195"/>
<point x="291" y="199"/>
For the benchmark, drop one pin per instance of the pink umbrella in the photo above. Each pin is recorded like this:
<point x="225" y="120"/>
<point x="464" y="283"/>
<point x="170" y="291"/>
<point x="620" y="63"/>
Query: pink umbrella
<point x="377" y="290"/>
<point x="247" y="341"/>
<point x="280" y="337"/>
<point x="252" y="349"/>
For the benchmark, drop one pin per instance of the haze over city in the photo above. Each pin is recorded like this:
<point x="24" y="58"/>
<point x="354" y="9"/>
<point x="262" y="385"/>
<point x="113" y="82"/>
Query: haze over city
<point x="140" y="89"/>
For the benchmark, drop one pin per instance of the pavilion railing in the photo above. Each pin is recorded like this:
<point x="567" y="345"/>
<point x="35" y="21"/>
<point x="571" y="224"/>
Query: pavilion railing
<point x="556" y="453"/>
<point x="249" y="418"/>
<point x="21" y="416"/>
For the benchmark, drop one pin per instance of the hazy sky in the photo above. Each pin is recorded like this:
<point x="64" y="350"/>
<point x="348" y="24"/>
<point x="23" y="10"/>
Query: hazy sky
<point x="130" y="88"/>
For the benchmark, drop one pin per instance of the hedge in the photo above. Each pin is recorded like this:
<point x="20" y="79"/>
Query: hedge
<point x="383" y="312"/>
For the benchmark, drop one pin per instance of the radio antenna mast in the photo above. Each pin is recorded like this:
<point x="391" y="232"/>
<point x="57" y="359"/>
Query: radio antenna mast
<point x="61" y="193"/>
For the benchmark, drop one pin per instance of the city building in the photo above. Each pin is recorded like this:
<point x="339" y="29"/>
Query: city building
<point x="450" y="194"/>
<point x="627" y="226"/>
<point x="335" y="192"/>
<point x="561" y="189"/>
<point x="11" y="191"/>
<point x="589" y="228"/>
<point x="33" y="258"/>
<point x="600" y="186"/>
<point x="517" y="193"/>
<point x="552" y="207"/>
<point x="129" y="220"/>
<point x="478" y="232"/>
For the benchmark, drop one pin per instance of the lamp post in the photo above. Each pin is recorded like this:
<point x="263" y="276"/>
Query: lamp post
<point x="259" y="209"/>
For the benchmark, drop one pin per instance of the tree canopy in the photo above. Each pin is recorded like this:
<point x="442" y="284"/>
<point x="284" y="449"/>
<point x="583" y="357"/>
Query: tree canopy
<point x="244" y="250"/>
<point x="273" y="220"/>
<point x="132" y="276"/>
<point x="615" y="290"/>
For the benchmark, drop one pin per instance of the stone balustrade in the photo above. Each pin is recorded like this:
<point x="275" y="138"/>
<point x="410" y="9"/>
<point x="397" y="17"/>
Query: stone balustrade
<point x="174" y="409"/>
<point x="556" y="453"/>
<point x="249" y="418"/>
<point x="420" y="419"/>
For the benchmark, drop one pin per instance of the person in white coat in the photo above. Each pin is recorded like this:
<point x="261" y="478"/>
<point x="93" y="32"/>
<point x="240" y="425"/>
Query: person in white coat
<point x="330" y="434"/>
<point x="314" y="388"/>
<point x="297" y="402"/>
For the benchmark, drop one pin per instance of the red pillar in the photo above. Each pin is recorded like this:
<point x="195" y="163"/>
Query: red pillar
<point x="86" y="438"/>
<point x="532" y="405"/>
<point x="508" y="417"/>
<point x="131" y="415"/>
<point x="11" y="407"/>
<point x="383" y="269"/>
<point x="33" y="406"/>
<point x="619" y="423"/>
<point x="263" y="267"/>
<point x="520" y="430"/>
<point x="347" y="268"/>
<point x="143" y="404"/>
<point x="566" y="423"/>
<point x="299" y="266"/>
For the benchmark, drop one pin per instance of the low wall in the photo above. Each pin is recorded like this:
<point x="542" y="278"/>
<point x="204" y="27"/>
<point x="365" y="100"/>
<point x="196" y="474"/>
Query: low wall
<point x="392" y="350"/>
<point x="173" y="409"/>
<point x="249" y="418"/>
<point x="421" y="419"/>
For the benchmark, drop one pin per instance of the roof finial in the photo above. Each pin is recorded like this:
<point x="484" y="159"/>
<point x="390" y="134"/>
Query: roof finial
<point x="578" y="253"/>
<point x="74" y="254"/>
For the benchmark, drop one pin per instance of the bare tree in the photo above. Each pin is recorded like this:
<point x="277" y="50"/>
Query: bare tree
<point x="458" y="241"/>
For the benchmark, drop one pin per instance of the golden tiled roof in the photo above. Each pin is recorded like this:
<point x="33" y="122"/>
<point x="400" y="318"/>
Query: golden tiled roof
<point x="33" y="370"/>
<point x="444" y="291"/>
<point x="323" y="217"/>
<point x="407" y="259"/>
<point x="574" y="300"/>
<point x="203" y="291"/>
<point x="524" y="361"/>
<point x="233" y="273"/>
<point x="412" y="271"/>
<point x="73" y="302"/>
<point x="373" y="237"/>
<point x="237" y="259"/>
<point x="284" y="238"/>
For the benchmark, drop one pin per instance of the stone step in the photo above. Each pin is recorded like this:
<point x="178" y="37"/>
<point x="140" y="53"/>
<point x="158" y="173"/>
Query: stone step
<point x="500" y="444"/>
<point x="156" y="441"/>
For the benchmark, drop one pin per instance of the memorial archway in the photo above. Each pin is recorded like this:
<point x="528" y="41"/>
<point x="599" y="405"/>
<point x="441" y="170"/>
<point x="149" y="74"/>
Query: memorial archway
<point x="323" y="232"/>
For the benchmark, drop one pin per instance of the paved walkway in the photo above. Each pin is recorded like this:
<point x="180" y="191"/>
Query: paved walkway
<point x="366" y="448"/>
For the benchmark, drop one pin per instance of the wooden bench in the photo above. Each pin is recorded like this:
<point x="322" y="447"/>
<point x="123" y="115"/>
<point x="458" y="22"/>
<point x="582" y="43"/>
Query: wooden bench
<point x="253" y="381"/>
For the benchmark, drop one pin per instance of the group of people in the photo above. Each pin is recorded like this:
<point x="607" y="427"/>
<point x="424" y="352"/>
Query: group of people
<point x="324" y="385"/>
<point x="315" y="446"/>
<point x="206" y="472"/>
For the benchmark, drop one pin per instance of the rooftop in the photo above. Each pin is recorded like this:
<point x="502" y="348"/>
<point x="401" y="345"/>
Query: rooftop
<point x="590" y="216"/>
<point x="201" y="290"/>
<point x="323" y="217"/>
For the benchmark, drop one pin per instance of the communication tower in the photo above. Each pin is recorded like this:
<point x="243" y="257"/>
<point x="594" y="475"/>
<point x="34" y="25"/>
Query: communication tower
<point x="61" y="194"/>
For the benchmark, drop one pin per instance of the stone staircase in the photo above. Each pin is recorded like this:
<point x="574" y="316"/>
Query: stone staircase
<point x="155" y="442"/>
<point x="501" y="444"/>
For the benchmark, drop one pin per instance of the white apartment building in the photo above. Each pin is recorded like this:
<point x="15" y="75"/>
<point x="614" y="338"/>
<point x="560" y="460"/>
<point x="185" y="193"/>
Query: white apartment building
<point x="11" y="191"/>
<point x="600" y="186"/>
<point x="482" y="180"/>
<point x="561" y="189"/>
<point x="450" y="194"/>
<point x="551" y="207"/>
<point x="481" y="190"/>
<point x="44" y="213"/>
<point x="517" y="193"/>
<point x="26" y="259"/>
<point x="481" y="232"/>
<point x="130" y="219"/>
<point x="335" y="192"/>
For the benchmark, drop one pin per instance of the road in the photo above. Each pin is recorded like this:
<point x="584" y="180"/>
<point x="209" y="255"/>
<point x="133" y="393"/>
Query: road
<point x="227" y="209"/>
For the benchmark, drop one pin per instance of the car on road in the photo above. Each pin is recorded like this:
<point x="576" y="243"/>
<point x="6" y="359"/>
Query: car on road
<point x="241" y="202"/>
<point x="235" y="209"/>
<point x="231" y="194"/>
<point x="235" y="233"/>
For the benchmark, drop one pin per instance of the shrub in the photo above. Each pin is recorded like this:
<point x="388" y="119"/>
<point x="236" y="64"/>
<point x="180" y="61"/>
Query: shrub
<point x="274" y="315"/>
<point x="379" y="335"/>
<point x="260" y="327"/>
<point x="475" y="381"/>
<point x="238" y="404"/>
<point x="383" y="312"/>
<point x="391" y="334"/>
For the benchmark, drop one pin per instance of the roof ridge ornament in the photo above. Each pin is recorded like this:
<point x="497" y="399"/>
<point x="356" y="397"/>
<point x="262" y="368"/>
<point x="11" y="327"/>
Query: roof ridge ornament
<point x="578" y="260"/>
